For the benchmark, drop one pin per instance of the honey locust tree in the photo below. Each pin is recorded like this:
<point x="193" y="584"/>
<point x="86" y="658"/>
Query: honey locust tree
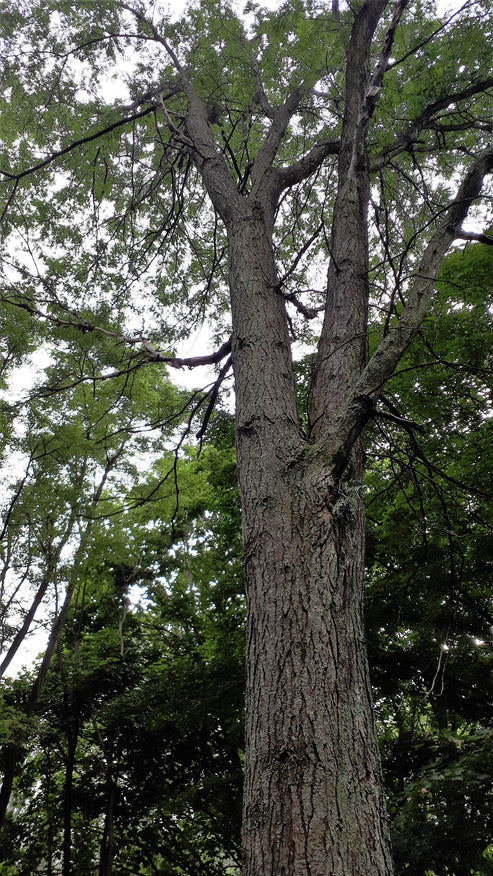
<point x="158" y="173"/>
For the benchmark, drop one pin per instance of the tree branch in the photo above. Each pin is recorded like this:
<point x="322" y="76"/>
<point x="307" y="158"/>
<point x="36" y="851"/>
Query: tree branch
<point x="376" y="80"/>
<point x="308" y="164"/>
<point x="155" y="35"/>
<point x="353" y="137"/>
<point x="210" y="163"/>
<point x="208" y="160"/>
<point x="428" y="39"/>
<point x="423" y="121"/>
<point x="213" y="397"/>
<point x="339" y="439"/>
<point x="16" y="177"/>
<point x="269" y="148"/>
<point x="470" y="235"/>
<point x="149" y="353"/>
<point x="260" y="95"/>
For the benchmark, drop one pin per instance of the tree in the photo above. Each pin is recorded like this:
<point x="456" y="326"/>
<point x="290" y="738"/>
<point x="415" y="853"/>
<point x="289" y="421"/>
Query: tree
<point x="133" y="759"/>
<point x="165" y="713"/>
<point x="245" y="159"/>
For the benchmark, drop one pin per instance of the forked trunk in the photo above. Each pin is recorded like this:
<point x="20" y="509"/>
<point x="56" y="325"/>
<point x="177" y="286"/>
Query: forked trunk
<point x="313" y="800"/>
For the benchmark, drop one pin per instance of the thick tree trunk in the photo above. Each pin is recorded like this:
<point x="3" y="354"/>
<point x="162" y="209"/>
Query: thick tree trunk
<point x="313" y="799"/>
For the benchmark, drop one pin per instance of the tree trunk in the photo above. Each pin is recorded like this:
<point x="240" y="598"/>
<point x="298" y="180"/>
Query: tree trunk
<point x="313" y="802"/>
<point x="68" y="793"/>
<point x="313" y="798"/>
<point x="107" y="849"/>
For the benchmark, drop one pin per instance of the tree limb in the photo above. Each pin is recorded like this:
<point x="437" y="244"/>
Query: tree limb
<point x="150" y="354"/>
<point x="260" y="95"/>
<point x="155" y="35"/>
<point x="213" y="397"/>
<point x="269" y="148"/>
<point x="376" y="80"/>
<point x="308" y="164"/>
<point x="338" y="440"/>
<point x="470" y="235"/>
<point x="423" y="121"/>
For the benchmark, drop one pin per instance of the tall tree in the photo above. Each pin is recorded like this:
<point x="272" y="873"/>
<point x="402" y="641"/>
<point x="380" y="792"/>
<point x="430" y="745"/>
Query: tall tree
<point x="245" y="154"/>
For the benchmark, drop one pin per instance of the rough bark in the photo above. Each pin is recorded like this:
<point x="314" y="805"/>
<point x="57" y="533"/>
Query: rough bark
<point x="313" y="801"/>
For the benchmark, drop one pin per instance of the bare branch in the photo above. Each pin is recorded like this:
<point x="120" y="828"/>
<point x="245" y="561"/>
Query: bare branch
<point x="213" y="397"/>
<point x="299" y="255"/>
<point x="302" y="169"/>
<point x="176" y="133"/>
<point x="308" y="312"/>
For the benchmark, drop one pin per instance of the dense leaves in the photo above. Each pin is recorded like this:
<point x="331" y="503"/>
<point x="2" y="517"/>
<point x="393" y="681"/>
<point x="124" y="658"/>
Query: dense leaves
<point x="429" y="608"/>
<point x="139" y="729"/>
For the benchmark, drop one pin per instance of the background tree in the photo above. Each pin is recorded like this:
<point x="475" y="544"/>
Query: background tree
<point x="133" y="757"/>
<point x="290" y="123"/>
<point x="429" y="609"/>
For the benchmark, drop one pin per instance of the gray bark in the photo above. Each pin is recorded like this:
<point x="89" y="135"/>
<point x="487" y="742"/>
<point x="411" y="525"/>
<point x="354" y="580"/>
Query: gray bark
<point x="313" y="801"/>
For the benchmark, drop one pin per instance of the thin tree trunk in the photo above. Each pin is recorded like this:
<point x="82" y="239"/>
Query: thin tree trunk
<point x="72" y="737"/>
<point x="23" y="631"/>
<point x="107" y="850"/>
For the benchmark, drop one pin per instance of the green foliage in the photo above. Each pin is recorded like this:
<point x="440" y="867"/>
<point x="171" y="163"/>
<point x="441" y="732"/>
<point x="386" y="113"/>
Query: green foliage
<point x="429" y="613"/>
<point x="147" y="700"/>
